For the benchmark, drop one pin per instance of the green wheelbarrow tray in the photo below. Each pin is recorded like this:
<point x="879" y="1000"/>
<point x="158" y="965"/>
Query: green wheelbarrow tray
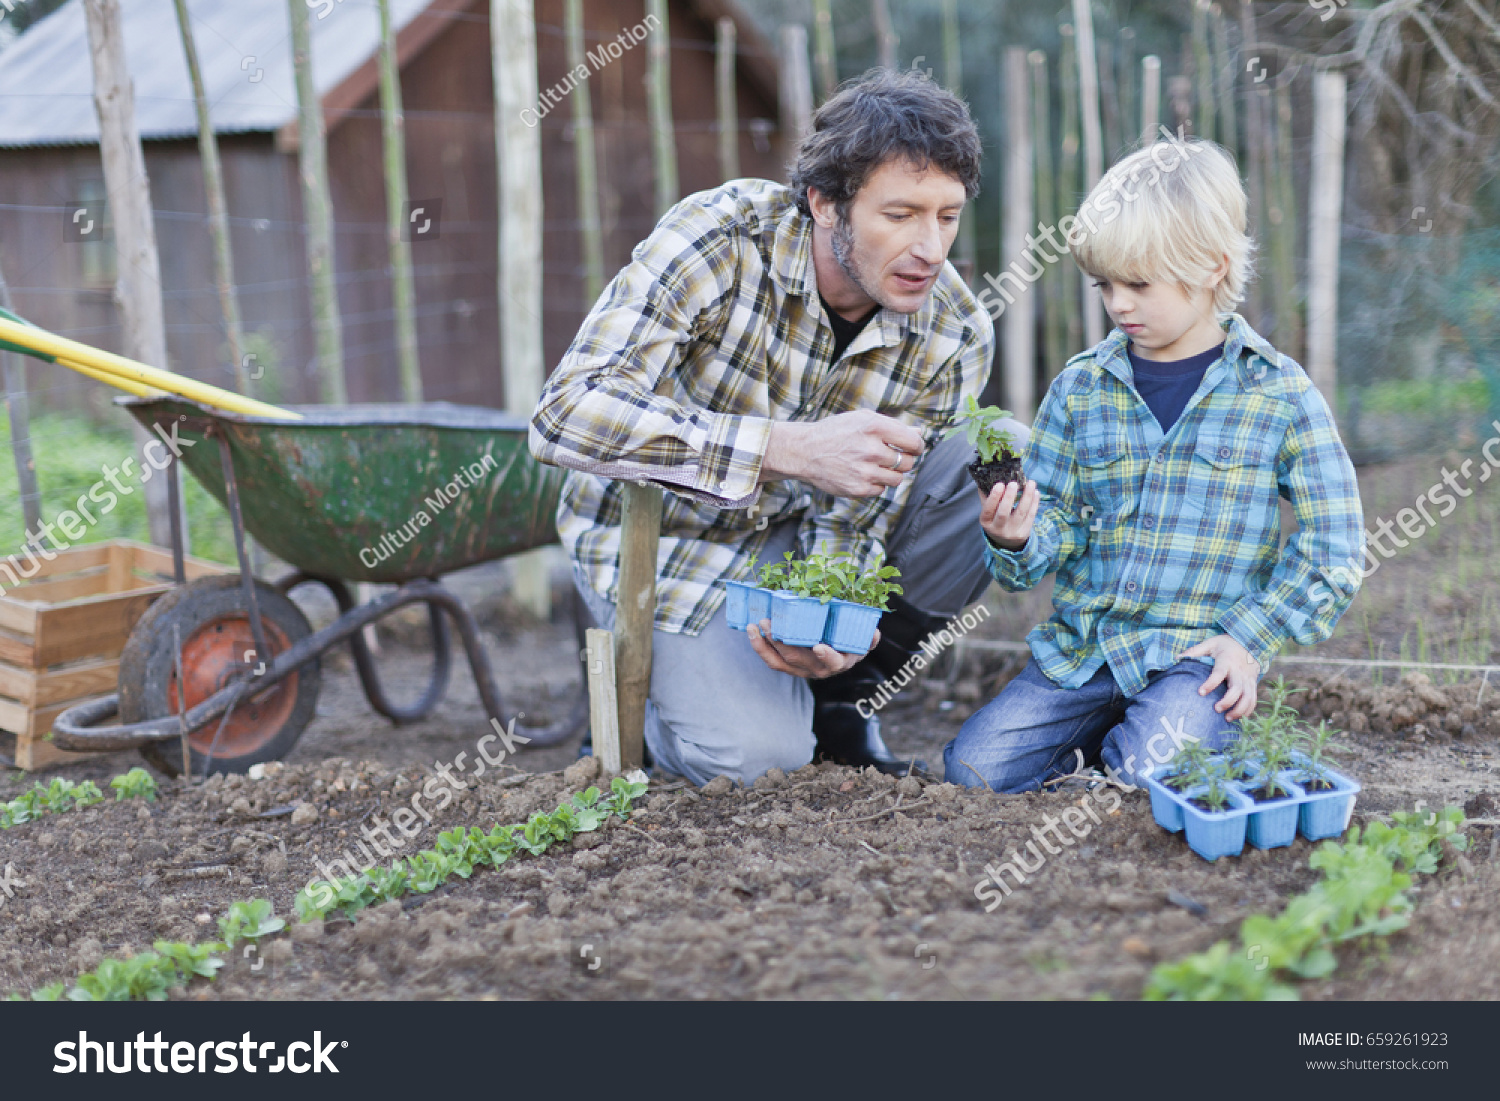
<point x="398" y="494"/>
<point x="379" y="493"/>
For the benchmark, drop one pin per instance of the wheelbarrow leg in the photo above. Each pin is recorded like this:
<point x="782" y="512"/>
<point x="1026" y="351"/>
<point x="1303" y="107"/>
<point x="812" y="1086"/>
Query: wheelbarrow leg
<point x="247" y="576"/>
<point x="364" y="660"/>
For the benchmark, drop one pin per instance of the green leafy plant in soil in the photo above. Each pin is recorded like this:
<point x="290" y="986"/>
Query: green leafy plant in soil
<point x="996" y="461"/>
<point x="148" y="976"/>
<point x="831" y="577"/>
<point x="61" y="796"/>
<point x="1361" y="896"/>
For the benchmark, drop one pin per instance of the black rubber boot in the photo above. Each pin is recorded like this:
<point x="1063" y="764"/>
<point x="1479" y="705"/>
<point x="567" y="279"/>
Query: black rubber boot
<point x="844" y="735"/>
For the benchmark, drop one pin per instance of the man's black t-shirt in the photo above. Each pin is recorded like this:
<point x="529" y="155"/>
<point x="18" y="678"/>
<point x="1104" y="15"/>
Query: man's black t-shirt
<point x="844" y="331"/>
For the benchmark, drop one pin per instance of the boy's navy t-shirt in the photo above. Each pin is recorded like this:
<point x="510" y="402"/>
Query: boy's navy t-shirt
<point x="1166" y="386"/>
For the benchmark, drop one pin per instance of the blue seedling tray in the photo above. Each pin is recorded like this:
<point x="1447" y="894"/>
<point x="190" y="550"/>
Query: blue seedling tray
<point x="1166" y="808"/>
<point x="1212" y="834"/>
<point x="1274" y="824"/>
<point x="746" y="604"/>
<point x="1326" y="814"/>
<point x="851" y="626"/>
<point x="797" y="620"/>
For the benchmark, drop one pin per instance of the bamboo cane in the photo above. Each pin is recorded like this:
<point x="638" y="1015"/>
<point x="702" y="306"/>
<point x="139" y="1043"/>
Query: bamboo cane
<point x="1203" y="70"/>
<point x="1093" y="152"/>
<point x="18" y="409"/>
<point x="1224" y="71"/>
<point x="953" y="76"/>
<point x="726" y="93"/>
<point x="1150" y="97"/>
<point x="1067" y="174"/>
<point x="1255" y="102"/>
<point x="1125" y="67"/>
<point x="590" y="224"/>
<point x="825" y="58"/>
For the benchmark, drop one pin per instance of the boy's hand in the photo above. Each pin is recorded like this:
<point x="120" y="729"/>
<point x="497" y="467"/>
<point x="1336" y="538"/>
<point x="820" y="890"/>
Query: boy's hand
<point x="1007" y="524"/>
<point x="808" y="662"/>
<point x="1234" y="663"/>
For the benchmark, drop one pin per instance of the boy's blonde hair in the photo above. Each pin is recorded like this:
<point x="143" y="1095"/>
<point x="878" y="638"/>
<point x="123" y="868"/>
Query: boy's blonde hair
<point x="1188" y="212"/>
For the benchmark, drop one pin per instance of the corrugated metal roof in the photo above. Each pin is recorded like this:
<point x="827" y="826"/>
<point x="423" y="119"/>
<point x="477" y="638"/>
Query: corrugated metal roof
<point x="244" y="48"/>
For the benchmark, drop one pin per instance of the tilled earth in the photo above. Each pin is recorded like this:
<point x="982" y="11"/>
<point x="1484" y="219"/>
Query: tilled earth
<point x="823" y="884"/>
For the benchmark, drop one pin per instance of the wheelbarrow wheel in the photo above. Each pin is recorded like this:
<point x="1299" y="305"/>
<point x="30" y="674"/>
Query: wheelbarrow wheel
<point x="212" y="620"/>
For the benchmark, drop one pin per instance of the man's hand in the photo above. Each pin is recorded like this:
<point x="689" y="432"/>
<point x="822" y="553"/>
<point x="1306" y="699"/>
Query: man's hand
<point x="813" y="663"/>
<point x="858" y="454"/>
<point x="1009" y="525"/>
<point x="1234" y="663"/>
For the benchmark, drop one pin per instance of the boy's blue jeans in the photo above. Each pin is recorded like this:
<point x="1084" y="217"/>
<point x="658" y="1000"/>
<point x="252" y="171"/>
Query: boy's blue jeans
<point x="1029" y="732"/>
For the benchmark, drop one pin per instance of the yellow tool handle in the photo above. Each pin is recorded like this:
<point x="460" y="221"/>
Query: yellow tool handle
<point x="131" y="376"/>
<point x="136" y="388"/>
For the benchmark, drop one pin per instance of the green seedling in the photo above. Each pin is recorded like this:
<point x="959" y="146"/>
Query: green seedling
<point x="977" y="423"/>
<point x="832" y="577"/>
<point x="193" y="959"/>
<point x="1315" y="746"/>
<point x="1189" y="767"/>
<point x="249" y="920"/>
<point x="135" y="784"/>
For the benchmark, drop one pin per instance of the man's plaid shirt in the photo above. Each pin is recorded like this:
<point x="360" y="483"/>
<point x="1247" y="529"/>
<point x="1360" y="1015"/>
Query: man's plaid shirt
<point x="710" y="333"/>
<point x="1162" y="542"/>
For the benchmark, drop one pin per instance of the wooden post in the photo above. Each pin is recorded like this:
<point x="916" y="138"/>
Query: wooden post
<point x="590" y="225"/>
<point x="1109" y="102"/>
<point x="1150" y="97"/>
<point x="1125" y="67"/>
<point x="1325" y="221"/>
<point x="1067" y="175"/>
<point x="18" y="408"/>
<point x="640" y="528"/>
<point x="1020" y="324"/>
<point x="965" y="252"/>
<point x="1224" y="73"/>
<point x="518" y="150"/>
<point x="825" y="55"/>
<point x="218" y="218"/>
<point x="1281" y="213"/>
<point x="1203" y="70"/>
<point x="796" y="86"/>
<point x="1255" y="139"/>
<point x="393" y="140"/>
<point x="1054" y="279"/>
<point x="317" y="211"/>
<point x="727" y="94"/>
<point x="604" y="715"/>
<point x="886" y="39"/>
<point x="138" y="286"/>
<point x="1093" y="152"/>
<point x="659" y="97"/>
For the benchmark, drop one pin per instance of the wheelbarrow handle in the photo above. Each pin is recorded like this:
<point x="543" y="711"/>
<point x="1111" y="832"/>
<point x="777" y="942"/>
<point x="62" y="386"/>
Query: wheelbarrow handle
<point x="75" y="728"/>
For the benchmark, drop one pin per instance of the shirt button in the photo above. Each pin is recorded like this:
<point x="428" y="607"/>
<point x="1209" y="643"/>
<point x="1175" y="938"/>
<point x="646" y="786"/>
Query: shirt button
<point x="1223" y="452"/>
<point x="1160" y="457"/>
<point x="1148" y="522"/>
<point x="1106" y="630"/>
<point x="1130" y="586"/>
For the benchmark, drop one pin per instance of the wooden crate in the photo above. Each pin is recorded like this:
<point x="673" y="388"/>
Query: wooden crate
<point x="62" y="631"/>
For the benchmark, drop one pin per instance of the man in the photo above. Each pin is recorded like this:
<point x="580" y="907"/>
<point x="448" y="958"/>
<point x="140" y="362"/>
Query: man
<point x="779" y="358"/>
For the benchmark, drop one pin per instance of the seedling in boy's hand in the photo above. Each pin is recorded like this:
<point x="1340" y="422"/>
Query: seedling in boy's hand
<point x="996" y="461"/>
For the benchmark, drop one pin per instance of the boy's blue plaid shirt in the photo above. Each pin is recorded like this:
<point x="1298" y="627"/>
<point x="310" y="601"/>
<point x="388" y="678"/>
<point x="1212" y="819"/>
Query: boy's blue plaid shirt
<point x="1162" y="542"/>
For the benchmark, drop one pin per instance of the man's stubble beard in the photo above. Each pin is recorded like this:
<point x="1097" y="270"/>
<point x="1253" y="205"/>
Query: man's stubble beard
<point x="843" y="255"/>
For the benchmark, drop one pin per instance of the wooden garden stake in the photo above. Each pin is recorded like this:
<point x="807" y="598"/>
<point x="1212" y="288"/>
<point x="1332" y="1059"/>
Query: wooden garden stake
<point x="1093" y="151"/>
<point x="317" y="206"/>
<point x="726" y="92"/>
<point x="218" y="217"/>
<point x="796" y="85"/>
<point x="1055" y="277"/>
<point x="18" y="408"/>
<point x="1150" y="97"/>
<point x="138" y="287"/>
<point x="824" y="54"/>
<point x="590" y="223"/>
<point x="1067" y="172"/>
<point x="1020" y="349"/>
<point x="604" y="717"/>
<point x="398" y="240"/>
<point x="953" y="76"/>
<point x="1325" y="218"/>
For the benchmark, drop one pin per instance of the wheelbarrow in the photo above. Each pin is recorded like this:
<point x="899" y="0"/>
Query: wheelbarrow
<point x="398" y="494"/>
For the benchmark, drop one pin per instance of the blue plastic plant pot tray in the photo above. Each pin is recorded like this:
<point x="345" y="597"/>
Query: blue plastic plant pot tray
<point x="797" y="620"/>
<point x="1326" y="814"/>
<point x="745" y="604"/>
<point x="1212" y="834"/>
<point x="1273" y="824"/>
<point x="737" y="604"/>
<point x="1164" y="805"/>
<point x="851" y="626"/>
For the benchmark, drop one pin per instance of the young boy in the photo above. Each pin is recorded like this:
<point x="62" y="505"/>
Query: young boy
<point x="1156" y="460"/>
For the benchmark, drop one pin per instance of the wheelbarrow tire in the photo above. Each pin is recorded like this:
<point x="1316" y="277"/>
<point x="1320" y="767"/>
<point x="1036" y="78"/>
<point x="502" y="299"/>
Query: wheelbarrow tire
<point x="213" y="623"/>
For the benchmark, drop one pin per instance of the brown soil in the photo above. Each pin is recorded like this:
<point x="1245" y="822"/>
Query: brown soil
<point x="988" y="475"/>
<point x="825" y="884"/>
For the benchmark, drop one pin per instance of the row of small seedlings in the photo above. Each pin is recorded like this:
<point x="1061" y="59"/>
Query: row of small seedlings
<point x="1273" y="782"/>
<point x="821" y="598"/>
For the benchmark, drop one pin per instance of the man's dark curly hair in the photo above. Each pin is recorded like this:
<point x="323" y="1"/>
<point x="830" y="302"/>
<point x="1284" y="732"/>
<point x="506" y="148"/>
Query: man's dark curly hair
<point x="885" y="114"/>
